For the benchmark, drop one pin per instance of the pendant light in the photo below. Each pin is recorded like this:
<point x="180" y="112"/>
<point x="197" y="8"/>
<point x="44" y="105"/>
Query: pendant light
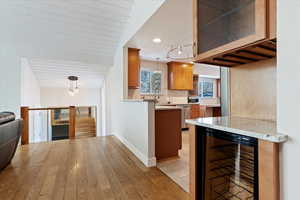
<point x="73" y="85"/>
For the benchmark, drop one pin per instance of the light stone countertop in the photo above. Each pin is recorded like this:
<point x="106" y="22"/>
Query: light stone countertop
<point x="208" y="105"/>
<point x="261" y="129"/>
<point x="167" y="108"/>
<point x="138" y="100"/>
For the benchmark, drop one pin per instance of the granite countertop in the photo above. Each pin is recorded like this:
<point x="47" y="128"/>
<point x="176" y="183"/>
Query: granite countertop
<point x="138" y="100"/>
<point x="167" y="108"/>
<point x="208" y="105"/>
<point x="261" y="129"/>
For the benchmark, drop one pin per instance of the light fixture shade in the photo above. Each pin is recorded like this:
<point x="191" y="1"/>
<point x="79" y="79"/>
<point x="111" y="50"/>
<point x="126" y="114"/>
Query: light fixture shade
<point x="76" y="90"/>
<point x="73" y="88"/>
<point x="71" y="93"/>
<point x="156" y="40"/>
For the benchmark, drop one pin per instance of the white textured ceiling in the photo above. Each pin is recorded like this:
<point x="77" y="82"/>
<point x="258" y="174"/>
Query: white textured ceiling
<point x="54" y="73"/>
<point x="65" y="37"/>
<point x="77" y="30"/>
<point x="172" y="23"/>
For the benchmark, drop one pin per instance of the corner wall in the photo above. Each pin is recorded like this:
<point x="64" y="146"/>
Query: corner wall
<point x="30" y="89"/>
<point x="288" y="94"/>
<point x="124" y="118"/>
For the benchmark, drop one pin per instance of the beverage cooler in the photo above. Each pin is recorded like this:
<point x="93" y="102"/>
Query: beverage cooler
<point x="227" y="166"/>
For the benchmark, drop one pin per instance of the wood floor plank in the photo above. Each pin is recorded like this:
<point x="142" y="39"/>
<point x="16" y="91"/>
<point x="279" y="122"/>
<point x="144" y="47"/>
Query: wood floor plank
<point x="23" y="171"/>
<point x="84" y="169"/>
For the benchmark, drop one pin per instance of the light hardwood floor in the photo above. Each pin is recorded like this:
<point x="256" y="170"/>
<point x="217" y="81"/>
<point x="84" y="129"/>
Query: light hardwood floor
<point x="90" y="168"/>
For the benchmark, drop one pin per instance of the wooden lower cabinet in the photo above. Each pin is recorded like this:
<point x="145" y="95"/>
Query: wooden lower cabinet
<point x="216" y="111"/>
<point x="168" y="138"/>
<point x="198" y="111"/>
<point x="195" y="112"/>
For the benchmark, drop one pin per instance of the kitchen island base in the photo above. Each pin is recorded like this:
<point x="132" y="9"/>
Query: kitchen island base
<point x="257" y="176"/>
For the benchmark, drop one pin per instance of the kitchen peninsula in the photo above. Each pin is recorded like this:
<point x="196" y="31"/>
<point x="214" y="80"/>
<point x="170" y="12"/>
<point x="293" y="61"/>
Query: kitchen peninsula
<point x="168" y="138"/>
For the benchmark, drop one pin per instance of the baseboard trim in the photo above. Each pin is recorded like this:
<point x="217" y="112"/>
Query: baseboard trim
<point x="148" y="162"/>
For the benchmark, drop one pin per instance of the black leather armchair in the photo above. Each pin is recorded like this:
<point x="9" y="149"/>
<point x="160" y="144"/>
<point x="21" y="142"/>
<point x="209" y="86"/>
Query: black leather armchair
<point x="10" y="132"/>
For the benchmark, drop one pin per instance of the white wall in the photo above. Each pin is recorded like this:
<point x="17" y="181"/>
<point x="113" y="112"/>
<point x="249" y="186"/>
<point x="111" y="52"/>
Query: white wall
<point x="59" y="97"/>
<point x="120" y="114"/>
<point x="10" y="81"/>
<point x="288" y="94"/>
<point x="31" y="97"/>
<point x="30" y="89"/>
<point x="135" y="128"/>
<point x="208" y="71"/>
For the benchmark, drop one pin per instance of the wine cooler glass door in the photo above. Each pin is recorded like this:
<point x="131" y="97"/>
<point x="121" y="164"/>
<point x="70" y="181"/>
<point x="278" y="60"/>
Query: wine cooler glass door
<point x="229" y="167"/>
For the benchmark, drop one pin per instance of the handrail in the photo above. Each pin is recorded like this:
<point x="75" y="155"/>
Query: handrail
<point x="49" y="108"/>
<point x="25" y="117"/>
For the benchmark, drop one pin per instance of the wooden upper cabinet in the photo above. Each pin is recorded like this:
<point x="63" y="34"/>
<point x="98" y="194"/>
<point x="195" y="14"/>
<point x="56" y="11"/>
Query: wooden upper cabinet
<point x="194" y="92"/>
<point x="234" y="32"/>
<point x="180" y="76"/>
<point x="133" y="68"/>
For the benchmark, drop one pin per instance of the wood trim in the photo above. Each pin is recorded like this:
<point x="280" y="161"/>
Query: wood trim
<point x="25" y="128"/>
<point x="134" y="67"/>
<point x="219" y="88"/>
<point x="272" y="19"/>
<point x="72" y="119"/>
<point x="261" y="9"/>
<point x="268" y="159"/>
<point x="48" y="108"/>
<point x="228" y="48"/>
<point x="192" y="161"/>
<point x="90" y="111"/>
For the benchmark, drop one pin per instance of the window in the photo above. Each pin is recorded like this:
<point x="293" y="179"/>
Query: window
<point x="206" y="88"/>
<point x="150" y="81"/>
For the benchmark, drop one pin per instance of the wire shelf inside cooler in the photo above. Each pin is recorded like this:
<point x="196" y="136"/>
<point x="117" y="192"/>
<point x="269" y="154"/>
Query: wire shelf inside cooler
<point x="230" y="172"/>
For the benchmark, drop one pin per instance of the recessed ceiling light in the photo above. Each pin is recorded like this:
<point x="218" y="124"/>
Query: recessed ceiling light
<point x="156" y="40"/>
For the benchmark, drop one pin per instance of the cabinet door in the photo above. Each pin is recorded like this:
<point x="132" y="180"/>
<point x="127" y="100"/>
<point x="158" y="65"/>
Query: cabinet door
<point x="195" y="111"/>
<point x="188" y="77"/>
<point x="180" y="76"/>
<point x="133" y="68"/>
<point x="224" y="25"/>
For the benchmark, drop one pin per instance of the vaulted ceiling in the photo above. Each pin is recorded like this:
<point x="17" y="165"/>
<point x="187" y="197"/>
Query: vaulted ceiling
<point x="64" y="36"/>
<point x="87" y="31"/>
<point x="54" y="73"/>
